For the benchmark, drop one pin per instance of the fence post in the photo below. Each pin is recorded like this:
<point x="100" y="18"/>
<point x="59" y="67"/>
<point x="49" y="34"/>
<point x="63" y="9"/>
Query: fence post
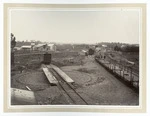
<point x="123" y="71"/>
<point x="114" y="68"/>
<point x="131" y="78"/>
<point x="120" y="71"/>
<point x="109" y="65"/>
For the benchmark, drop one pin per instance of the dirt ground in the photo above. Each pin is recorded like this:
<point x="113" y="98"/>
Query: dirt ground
<point x="92" y="81"/>
<point x="100" y="87"/>
<point x="38" y="83"/>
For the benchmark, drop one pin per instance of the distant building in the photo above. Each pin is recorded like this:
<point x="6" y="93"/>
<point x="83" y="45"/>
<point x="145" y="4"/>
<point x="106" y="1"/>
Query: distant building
<point x="45" y="47"/>
<point x="104" y="45"/>
<point x="26" y="48"/>
<point x="101" y="51"/>
<point x="40" y="47"/>
<point x="123" y="46"/>
<point x="97" y="49"/>
<point x="51" y="47"/>
<point x="32" y="45"/>
<point x="17" y="48"/>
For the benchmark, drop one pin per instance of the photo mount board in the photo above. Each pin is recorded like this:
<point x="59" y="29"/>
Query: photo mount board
<point x="75" y="108"/>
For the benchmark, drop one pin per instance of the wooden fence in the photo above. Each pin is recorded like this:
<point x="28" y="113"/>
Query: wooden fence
<point x="123" y="71"/>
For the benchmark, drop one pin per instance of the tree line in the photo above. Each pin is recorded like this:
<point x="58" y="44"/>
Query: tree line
<point x="127" y="48"/>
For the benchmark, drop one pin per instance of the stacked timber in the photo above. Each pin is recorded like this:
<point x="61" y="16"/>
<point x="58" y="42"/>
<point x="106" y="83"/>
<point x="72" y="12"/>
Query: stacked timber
<point x="50" y="77"/>
<point x="62" y="74"/>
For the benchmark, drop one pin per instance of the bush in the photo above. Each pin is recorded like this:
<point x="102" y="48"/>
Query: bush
<point x="130" y="49"/>
<point x="127" y="48"/>
<point x="91" y="51"/>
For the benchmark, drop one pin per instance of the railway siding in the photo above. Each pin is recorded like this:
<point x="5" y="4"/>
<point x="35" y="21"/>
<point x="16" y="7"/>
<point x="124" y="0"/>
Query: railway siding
<point x="126" y="75"/>
<point x="68" y="90"/>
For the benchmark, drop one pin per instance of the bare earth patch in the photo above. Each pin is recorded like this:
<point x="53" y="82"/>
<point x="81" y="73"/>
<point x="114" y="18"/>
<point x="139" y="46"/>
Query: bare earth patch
<point x="98" y="86"/>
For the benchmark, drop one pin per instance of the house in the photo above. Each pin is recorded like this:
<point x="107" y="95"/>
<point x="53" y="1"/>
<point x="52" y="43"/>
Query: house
<point x="45" y="47"/>
<point x="40" y="47"/>
<point x="26" y="48"/>
<point x="51" y="47"/>
<point x="17" y="48"/>
<point x="100" y="52"/>
<point x="84" y="52"/>
<point x="97" y="49"/>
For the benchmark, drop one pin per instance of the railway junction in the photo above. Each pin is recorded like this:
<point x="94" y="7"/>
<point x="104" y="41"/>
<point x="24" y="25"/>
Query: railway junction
<point x="87" y="84"/>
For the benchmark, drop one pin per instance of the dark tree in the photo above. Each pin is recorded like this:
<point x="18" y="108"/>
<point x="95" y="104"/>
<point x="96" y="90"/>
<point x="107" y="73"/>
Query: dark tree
<point x="116" y="48"/>
<point x="91" y="51"/>
<point x="13" y="41"/>
<point x="13" y="44"/>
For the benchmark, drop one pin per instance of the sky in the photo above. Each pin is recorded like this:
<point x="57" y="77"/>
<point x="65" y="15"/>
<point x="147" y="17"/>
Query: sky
<point x="76" y="26"/>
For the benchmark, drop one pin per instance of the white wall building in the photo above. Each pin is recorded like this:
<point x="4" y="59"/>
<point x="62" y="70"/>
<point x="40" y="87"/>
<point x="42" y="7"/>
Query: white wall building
<point x="45" y="47"/>
<point x="27" y="48"/>
<point x="52" y="47"/>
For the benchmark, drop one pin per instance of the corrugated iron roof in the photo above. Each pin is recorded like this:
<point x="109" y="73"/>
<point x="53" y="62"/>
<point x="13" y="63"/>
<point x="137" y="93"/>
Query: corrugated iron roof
<point x="25" y="46"/>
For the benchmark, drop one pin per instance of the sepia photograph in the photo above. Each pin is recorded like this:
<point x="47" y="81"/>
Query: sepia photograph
<point x="74" y="55"/>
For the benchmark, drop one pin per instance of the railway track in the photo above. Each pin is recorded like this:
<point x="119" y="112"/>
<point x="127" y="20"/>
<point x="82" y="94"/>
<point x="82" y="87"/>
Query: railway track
<point x="68" y="90"/>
